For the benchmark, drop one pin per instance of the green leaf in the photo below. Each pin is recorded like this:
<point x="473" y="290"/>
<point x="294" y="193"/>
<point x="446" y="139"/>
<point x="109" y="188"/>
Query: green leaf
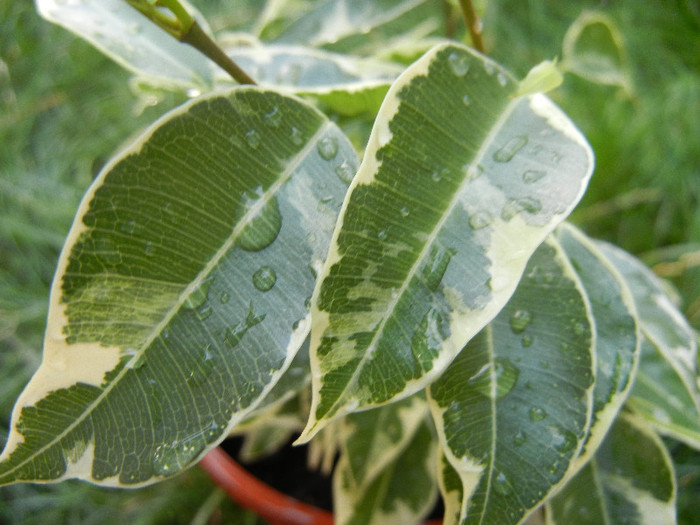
<point x="346" y="84"/>
<point x="459" y="185"/>
<point x="617" y="335"/>
<point x="403" y="492"/>
<point x="182" y="291"/>
<point x="129" y="38"/>
<point x="451" y="489"/>
<point x="629" y="480"/>
<point x="665" y="391"/>
<point x="513" y="409"/>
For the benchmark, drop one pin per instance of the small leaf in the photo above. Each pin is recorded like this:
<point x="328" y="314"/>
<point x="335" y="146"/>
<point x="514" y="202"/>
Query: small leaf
<point x="629" y="480"/>
<point x="542" y="78"/>
<point x="512" y="411"/>
<point x="403" y="492"/>
<point x="162" y="330"/>
<point x="442" y="217"/>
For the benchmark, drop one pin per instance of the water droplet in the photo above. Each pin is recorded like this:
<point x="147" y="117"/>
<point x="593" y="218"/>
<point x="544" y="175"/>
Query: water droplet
<point x="512" y="207"/>
<point x="495" y="379"/>
<point x="436" y="266"/>
<point x="527" y="340"/>
<point x="234" y="334"/>
<point x="580" y="329"/>
<point x="204" y="312"/>
<point x="474" y="171"/>
<point x="345" y="172"/>
<point x="264" y="278"/>
<point x="466" y="100"/>
<point x="519" y="321"/>
<point x="273" y="118"/>
<point x="502" y="79"/>
<point x="404" y="212"/>
<point x="224" y="297"/>
<point x="262" y="228"/>
<point x="327" y="147"/>
<point x="149" y="248"/>
<point x="501" y="484"/>
<point x="563" y="440"/>
<point x="428" y="338"/>
<point x="297" y="139"/>
<point x="459" y="63"/>
<point x="252" y="138"/>
<point x="519" y="438"/>
<point x="508" y="151"/>
<point x="480" y="220"/>
<point x="382" y="235"/>
<point x="531" y="176"/>
<point x="489" y="67"/>
<point x="537" y="414"/>
<point x="198" y="296"/>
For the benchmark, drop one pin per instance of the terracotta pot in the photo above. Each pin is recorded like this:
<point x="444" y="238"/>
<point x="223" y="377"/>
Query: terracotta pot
<point x="269" y="503"/>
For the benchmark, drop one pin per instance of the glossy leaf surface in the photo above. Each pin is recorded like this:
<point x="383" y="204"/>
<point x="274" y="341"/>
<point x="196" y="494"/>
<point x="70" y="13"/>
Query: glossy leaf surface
<point x="182" y="292"/>
<point x="512" y="410"/>
<point x="459" y="185"/>
<point x="629" y="480"/>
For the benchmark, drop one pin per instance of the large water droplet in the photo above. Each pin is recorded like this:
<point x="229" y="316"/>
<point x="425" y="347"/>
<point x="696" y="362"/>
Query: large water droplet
<point x="459" y="63"/>
<point x="436" y="266"/>
<point x="264" y="279"/>
<point x="262" y="228"/>
<point x="563" y="440"/>
<point x="345" y="171"/>
<point x="198" y="296"/>
<point x="495" y="379"/>
<point x="537" y="414"/>
<point x="252" y="138"/>
<point x="519" y="321"/>
<point x="273" y="118"/>
<point x="531" y="176"/>
<point x="327" y="147"/>
<point x="508" y="151"/>
<point x="234" y="334"/>
<point x="480" y="220"/>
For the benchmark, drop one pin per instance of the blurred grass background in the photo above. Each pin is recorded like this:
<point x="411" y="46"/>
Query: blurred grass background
<point x="65" y="108"/>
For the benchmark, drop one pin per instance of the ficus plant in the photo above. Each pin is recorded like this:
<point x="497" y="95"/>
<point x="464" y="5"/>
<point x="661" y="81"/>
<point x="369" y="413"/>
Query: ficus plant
<point x="354" y="234"/>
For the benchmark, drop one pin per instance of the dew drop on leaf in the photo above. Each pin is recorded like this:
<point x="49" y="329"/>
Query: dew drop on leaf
<point x="224" y="297"/>
<point x="563" y="440"/>
<point x="198" y="296"/>
<point x="345" y="172"/>
<point x="495" y="379"/>
<point x="296" y="136"/>
<point x="510" y="148"/>
<point x="404" y="212"/>
<point x="537" y="414"/>
<point x="501" y="484"/>
<point x="480" y="220"/>
<point x="502" y="79"/>
<point x="234" y="334"/>
<point x="466" y="100"/>
<point x="436" y="266"/>
<point x="531" y="176"/>
<point x="527" y="341"/>
<point x="273" y="118"/>
<point x="519" y="321"/>
<point x="459" y="63"/>
<point x="252" y="138"/>
<point x="327" y="147"/>
<point x="519" y="438"/>
<point x="263" y="228"/>
<point x="264" y="278"/>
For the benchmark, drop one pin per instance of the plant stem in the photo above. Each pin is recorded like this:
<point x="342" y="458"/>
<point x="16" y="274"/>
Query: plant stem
<point x="198" y="39"/>
<point x="473" y="24"/>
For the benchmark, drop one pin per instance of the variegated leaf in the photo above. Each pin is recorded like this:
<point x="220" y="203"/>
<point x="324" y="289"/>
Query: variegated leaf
<point x="629" y="480"/>
<point x="666" y="390"/>
<point x="513" y="409"/>
<point x="617" y="335"/>
<point x="459" y="185"/>
<point x="182" y="292"/>
<point x="403" y="492"/>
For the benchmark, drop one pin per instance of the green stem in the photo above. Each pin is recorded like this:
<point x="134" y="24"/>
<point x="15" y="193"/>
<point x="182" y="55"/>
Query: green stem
<point x="473" y="24"/>
<point x="186" y="29"/>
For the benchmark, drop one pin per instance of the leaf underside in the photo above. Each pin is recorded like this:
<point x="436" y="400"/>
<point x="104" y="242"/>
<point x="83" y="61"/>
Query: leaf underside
<point x="182" y="292"/>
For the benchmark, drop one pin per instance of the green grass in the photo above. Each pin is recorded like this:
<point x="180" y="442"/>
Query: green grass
<point x="64" y="108"/>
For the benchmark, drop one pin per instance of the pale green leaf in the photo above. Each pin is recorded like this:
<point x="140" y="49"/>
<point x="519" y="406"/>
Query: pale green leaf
<point x="374" y="438"/>
<point x="128" y="37"/>
<point x="666" y="390"/>
<point x="182" y="292"/>
<point x="459" y="185"/>
<point x="593" y="48"/>
<point x="617" y="335"/>
<point x="629" y="480"/>
<point x="451" y="489"/>
<point x="513" y="409"/>
<point x="404" y="492"/>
